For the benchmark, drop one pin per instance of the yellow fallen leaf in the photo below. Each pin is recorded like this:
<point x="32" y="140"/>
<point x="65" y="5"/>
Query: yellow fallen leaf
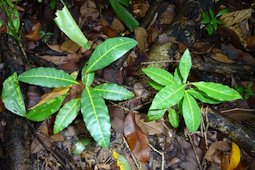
<point x="122" y="163"/>
<point x="235" y="157"/>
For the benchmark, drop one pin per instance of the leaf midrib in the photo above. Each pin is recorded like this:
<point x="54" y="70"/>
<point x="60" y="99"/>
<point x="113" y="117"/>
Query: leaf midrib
<point x="104" y="90"/>
<point x="49" y="77"/>
<point x="159" y="75"/>
<point x="94" y="111"/>
<point x="219" y="92"/>
<point x="96" y="61"/>
<point x="190" y="105"/>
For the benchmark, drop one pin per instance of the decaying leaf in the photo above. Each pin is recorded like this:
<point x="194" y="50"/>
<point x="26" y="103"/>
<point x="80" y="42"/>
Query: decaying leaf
<point x="222" y="58"/>
<point x="219" y="146"/>
<point x="235" y="157"/>
<point x="34" y="34"/>
<point x="122" y="162"/>
<point x="137" y="140"/>
<point x="141" y="37"/>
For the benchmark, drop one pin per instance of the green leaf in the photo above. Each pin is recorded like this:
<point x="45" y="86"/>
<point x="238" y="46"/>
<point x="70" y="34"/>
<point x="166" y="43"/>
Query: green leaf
<point x="42" y="112"/>
<point x="191" y="113"/>
<point x="124" y="2"/>
<point x="173" y="118"/>
<point x="211" y="12"/>
<point x="47" y="77"/>
<point x="12" y="97"/>
<point x="156" y="114"/>
<point x="205" y="18"/>
<point x="66" y="115"/>
<point x="66" y="23"/>
<point x="155" y="85"/>
<point x="108" y="52"/>
<point x="167" y="97"/>
<point x="122" y="162"/>
<point x="202" y="96"/>
<point x="210" y="29"/>
<point x="218" y="91"/>
<point x="13" y="24"/>
<point x="88" y="78"/>
<point x="185" y="65"/>
<point x="96" y="117"/>
<point x="124" y="15"/>
<point x="177" y="75"/>
<point x="222" y="12"/>
<point x="80" y="146"/>
<point x="160" y="76"/>
<point x="111" y="91"/>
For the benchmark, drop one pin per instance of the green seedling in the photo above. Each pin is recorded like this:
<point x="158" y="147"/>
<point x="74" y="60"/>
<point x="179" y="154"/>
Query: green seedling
<point x="123" y="14"/>
<point x="245" y="91"/>
<point x="174" y="90"/>
<point x="211" y="20"/>
<point x="13" y="20"/>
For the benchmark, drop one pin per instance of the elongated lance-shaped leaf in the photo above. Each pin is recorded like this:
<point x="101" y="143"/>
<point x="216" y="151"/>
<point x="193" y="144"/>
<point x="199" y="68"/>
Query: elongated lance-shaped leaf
<point x="167" y="97"/>
<point x="202" y="96"/>
<point x="12" y="97"/>
<point x="156" y="114"/>
<point x="88" y="78"/>
<point x="112" y="91"/>
<point x="47" y="77"/>
<point x="108" y="52"/>
<point x="218" y="91"/>
<point x="177" y="75"/>
<point x="124" y="15"/>
<point x="185" y="65"/>
<point x="155" y="85"/>
<point x="191" y="112"/>
<point x="66" y="115"/>
<point x="124" y="2"/>
<point x="96" y="116"/>
<point x="44" y="111"/>
<point x="173" y="118"/>
<point x="160" y="76"/>
<point x="122" y="162"/>
<point x="66" y="23"/>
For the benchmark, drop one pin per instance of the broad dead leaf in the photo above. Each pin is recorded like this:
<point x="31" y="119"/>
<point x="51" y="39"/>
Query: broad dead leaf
<point x="148" y="127"/>
<point x="89" y="10"/>
<point x="117" y="115"/>
<point x="168" y="15"/>
<point x="117" y="26"/>
<point x="34" y="34"/>
<point x="141" y="37"/>
<point x="137" y="140"/>
<point x="48" y="96"/>
<point x="220" y="57"/>
<point x="216" y="147"/>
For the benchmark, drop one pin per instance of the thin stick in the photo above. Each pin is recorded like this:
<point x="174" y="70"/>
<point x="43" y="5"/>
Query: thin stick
<point x="161" y="154"/>
<point x="194" y="149"/>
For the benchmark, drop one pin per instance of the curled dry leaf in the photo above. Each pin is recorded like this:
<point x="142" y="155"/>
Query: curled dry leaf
<point x="34" y="34"/>
<point x="137" y="140"/>
<point x="141" y="37"/>
<point x="212" y="152"/>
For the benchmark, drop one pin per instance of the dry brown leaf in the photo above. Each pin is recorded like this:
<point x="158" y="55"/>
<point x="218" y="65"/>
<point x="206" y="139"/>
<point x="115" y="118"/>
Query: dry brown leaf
<point x="137" y="140"/>
<point x="140" y="8"/>
<point x="250" y="42"/>
<point x="68" y="63"/>
<point x="117" y="26"/>
<point x="48" y="96"/>
<point x="214" y="148"/>
<point x="168" y="15"/>
<point x="89" y="10"/>
<point x="36" y="146"/>
<point x="69" y="46"/>
<point x="220" y="57"/>
<point x="57" y="138"/>
<point x="141" y="37"/>
<point x="117" y="115"/>
<point x="148" y="127"/>
<point x="34" y="34"/>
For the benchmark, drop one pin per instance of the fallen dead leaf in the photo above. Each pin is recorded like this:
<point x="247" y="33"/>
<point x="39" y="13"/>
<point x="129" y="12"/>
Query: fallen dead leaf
<point x="137" y="140"/>
<point x="117" y="26"/>
<point x="235" y="157"/>
<point x="212" y="153"/>
<point x="141" y="37"/>
<point x="220" y="57"/>
<point x="168" y="15"/>
<point x="34" y="34"/>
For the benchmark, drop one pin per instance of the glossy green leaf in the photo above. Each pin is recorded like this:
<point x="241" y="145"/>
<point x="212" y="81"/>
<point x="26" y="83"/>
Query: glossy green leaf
<point x="124" y="15"/>
<point x="205" y="18"/>
<point x="13" y="24"/>
<point x="124" y="2"/>
<point x="191" y="113"/>
<point x="45" y="110"/>
<point x="156" y="114"/>
<point x="173" y="118"/>
<point x="12" y="97"/>
<point x="167" y="97"/>
<point x="66" y="115"/>
<point x="108" y="52"/>
<point x="177" y="75"/>
<point x="210" y="29"/>
<point x="88" y="78"/>
<point x="155" y="85"/>
<point x="47" y="77"/>
<point x="159" y="75"/>
<point x="111" y="91"/>
<point x="218" y="91"/>
<point x="211" y="12"/>
<point x="202" y="96"/>
<point x="96" y="117"/>
<point x="185" y="65"/>
<point x="66" y="23"/>
<point x="222" y="12"/>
